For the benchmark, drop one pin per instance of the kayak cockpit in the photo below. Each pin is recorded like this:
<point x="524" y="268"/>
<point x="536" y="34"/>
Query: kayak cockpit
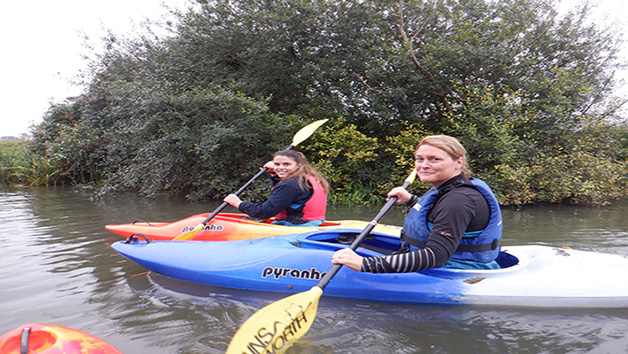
<point x="378" y="244"/>
<point x="375" y="243"/>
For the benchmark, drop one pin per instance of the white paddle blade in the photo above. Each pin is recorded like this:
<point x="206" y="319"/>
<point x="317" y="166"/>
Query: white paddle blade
<point x="306" y="131"/>
<point x="277" y="326"/>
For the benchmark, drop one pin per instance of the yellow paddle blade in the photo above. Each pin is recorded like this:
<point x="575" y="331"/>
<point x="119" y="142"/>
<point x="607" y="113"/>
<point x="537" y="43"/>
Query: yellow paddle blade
<point x="411" y="178"/>
<point x="190" y="234"/>
<point x="277" y="326"/>
<point x="306" y="131"/>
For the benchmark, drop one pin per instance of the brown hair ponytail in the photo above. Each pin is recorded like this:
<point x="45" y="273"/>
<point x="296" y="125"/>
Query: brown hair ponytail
<point x="304" y="171"/>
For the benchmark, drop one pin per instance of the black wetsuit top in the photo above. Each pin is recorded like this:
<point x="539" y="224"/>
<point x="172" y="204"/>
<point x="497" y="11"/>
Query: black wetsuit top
<point x="455" y="211"/>
<point x="283" y="195"/>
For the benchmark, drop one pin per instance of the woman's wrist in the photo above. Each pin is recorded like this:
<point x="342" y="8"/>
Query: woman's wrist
<point x="413" y="199"/>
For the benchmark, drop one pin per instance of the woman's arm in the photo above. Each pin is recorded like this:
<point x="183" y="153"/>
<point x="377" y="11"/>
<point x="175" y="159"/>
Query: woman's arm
<point x="451" y="216"/>
<point x="279" y="200"/>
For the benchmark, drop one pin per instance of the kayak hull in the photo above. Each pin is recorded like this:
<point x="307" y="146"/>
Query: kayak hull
<point x="44" y="338"/>
<point x="229" y="227"/>
<point x="535" y="276"/>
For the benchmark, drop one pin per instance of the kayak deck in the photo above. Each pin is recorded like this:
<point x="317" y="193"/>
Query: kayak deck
<point x="45" y="338"/>
<point x="229" y="227"/>
<point x="537" y="276"/>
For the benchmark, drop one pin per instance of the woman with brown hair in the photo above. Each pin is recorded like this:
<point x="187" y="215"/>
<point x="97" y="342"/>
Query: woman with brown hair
<point x="298" y="197"/>
<point x="456" y="224"/>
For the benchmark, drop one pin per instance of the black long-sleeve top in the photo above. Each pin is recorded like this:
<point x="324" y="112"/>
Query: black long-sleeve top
<point x="283" y="195"/>
<point x="455" y="211"/>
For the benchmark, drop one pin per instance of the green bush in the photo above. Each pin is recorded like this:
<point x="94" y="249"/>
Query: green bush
<point x="525" y="88"/>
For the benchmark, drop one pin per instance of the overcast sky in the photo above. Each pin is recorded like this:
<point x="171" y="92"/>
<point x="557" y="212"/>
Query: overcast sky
<point x="42" y="47"/>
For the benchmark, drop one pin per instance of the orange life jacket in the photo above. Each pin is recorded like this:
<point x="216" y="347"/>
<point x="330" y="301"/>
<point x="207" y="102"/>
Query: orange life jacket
<point x="316" y="207"/>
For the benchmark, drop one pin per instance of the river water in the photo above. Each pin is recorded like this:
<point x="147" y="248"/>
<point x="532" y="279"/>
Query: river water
<point x="57" y="267"/>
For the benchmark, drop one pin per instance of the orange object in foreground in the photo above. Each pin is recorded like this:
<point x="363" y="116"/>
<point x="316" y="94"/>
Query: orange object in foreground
<point x="41" y="338"/>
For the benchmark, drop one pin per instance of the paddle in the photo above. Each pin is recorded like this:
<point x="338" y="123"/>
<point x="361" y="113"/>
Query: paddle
<point x="275" y="327"/>
<point x="299" y="137"/>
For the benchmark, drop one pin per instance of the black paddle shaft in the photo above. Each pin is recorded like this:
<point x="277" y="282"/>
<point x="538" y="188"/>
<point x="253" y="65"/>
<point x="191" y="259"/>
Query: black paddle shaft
<point x="224" y="204"/>
<point x="358" y="240"/>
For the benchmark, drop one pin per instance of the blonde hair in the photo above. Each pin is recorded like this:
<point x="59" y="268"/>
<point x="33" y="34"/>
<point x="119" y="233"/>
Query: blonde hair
<point x="304" y="171"/>
<point x="451" y="146"/>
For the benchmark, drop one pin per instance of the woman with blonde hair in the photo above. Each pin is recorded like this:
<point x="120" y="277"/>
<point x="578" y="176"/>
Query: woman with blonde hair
<point x="299" y="193"/>
<point x="456" y="224"/>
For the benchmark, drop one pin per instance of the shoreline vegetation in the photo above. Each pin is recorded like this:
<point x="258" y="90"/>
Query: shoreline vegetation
<point x="19" y="167"/>
<point x="528" y="90"/>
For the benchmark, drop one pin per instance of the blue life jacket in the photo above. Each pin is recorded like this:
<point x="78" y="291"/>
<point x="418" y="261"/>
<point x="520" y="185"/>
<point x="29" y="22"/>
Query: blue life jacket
<point x="479" y="246"/>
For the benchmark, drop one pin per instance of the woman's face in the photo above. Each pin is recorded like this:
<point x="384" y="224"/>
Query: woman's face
<point x="435" y="166"/>
<point x="284" y="166"/>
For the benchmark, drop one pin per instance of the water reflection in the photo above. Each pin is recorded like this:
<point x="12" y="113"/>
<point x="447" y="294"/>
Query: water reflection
<point x="57" y="267"/>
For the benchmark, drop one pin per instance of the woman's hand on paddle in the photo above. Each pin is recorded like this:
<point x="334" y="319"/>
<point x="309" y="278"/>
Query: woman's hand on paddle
<point x="270" y="166"/>
<point x="348" y="258"/>
<point x="233" y="200"/>
<point x="401" y="193"/>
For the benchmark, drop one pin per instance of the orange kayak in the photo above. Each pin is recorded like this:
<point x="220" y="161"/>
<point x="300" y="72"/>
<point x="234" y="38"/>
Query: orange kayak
<point x="232" y="226"/>
<point x="41" y="338"/>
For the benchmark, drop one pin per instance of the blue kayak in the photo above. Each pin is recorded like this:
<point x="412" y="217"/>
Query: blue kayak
<point x="536" y="276"/>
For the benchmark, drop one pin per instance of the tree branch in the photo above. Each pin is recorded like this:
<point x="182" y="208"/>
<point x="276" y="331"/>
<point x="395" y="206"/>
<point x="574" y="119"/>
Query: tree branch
<point x="367" y="85"/>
